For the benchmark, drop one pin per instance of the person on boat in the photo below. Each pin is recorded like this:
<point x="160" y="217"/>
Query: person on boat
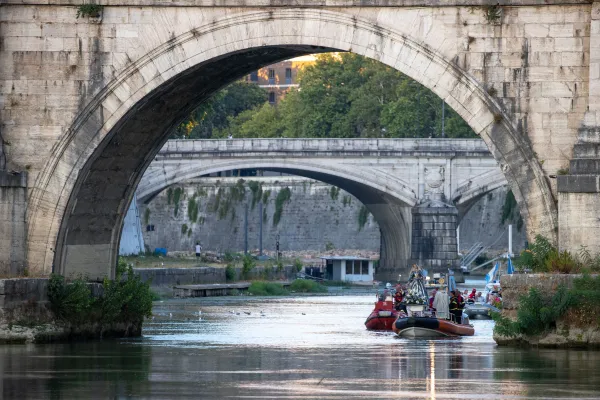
<point x="432" y="299"/>
<point x="398" y="298"/>
<point x="479" y="298"/>
<point x="440" y="303"/>
<point x="472" y="295"/>
<point x="457" y="303"/>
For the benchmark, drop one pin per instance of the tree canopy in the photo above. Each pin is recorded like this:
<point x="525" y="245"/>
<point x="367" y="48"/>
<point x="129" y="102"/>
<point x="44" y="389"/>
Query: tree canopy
<point x="340" y="96"/>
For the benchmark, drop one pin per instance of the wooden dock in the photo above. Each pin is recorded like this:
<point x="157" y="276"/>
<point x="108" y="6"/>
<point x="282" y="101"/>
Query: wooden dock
<point x="214" y="289"/>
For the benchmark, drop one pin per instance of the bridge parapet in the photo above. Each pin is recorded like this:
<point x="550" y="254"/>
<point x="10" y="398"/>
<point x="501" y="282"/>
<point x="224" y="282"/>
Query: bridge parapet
<point x="418" y="147"/>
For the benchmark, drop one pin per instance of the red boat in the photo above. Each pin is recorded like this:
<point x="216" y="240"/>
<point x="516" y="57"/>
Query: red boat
<point x="382" y="318"/>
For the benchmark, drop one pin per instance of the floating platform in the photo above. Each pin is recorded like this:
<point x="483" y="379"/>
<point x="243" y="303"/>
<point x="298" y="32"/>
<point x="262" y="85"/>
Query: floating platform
<point x="214" y="289"/>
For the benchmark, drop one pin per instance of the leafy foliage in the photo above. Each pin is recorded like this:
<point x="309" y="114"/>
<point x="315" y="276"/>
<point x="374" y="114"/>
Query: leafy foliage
<point x="257" y="192"/>
<point x="536" y="255"/>
<point x="259" y="288"/>
<point x="562" y="262"/>
<point x="88" y="10"/>
<point x="192" y="210"/>
<point x="229" y="272"/>
<point x="123" y="300"/>
<point x="298" y="265"/>
<point x="363" y="217"/>
<point x="176" y="197"/>
<point x="536" y="313"/>
<point x="334" y="192"/>
<point x="283" y="197"/>
<point x="248" y="264"/>
<point x="213" y="114"/>
<point x="341" y="95"/>
<point x="147" y="216"/>
<point x="307" y="286"/>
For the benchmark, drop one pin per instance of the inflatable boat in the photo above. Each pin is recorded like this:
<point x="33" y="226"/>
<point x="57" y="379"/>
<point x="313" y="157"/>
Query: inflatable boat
<point x="480" y="310"/>
<point x="382" y="317"/>
<point x="430" y="327"/>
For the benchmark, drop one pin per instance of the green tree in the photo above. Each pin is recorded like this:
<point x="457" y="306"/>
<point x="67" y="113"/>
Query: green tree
<point x="346" y="95"/>
<point x="214" y="113"/>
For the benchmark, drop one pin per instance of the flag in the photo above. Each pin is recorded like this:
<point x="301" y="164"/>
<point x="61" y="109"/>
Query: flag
<point x="510" y="269"/>
<point x="490" y="275"/>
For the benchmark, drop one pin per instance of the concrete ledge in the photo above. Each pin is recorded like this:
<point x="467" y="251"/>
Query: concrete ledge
<point x="578" y="183"/>
<point x="13" y="179"/>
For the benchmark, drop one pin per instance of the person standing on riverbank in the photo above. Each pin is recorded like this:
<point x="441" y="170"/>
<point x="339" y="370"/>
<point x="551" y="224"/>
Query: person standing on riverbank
<point x="198" y="249"/>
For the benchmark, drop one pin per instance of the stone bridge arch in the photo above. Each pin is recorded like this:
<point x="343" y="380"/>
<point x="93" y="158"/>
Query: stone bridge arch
<point x="81" y="195"/>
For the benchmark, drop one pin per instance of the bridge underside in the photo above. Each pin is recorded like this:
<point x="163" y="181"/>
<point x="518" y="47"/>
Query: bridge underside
<point x="89" y="236"/>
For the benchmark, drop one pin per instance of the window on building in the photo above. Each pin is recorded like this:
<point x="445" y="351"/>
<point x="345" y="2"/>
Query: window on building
<point x="288" y="76"/>
<point x="271" y="97"/>
<point x="364" y="267"/>
<point x="349" y="267"/>
<point x="356" y="267"/>
<point x="254" y="76"/>
<point x="271" y="76"/>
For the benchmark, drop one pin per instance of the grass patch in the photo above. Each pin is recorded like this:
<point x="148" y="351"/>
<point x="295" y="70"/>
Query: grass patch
<point x="260" y="288"/>
<point x="307" y="286"/>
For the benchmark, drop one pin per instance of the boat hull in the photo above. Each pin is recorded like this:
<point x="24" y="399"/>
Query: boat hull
<point x="480" y="311"/>
<point x="381" y="321"/>
<point x="430" y="327"/>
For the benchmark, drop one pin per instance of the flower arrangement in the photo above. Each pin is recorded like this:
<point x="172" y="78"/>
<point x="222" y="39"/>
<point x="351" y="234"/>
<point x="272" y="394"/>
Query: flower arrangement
<point x="413" y="297"/>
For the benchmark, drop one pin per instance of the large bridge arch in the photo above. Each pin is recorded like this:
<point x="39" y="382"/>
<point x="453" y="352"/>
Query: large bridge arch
<point x="81" y="195"/>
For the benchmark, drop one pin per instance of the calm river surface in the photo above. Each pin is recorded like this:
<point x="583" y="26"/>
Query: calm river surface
<point x="298" y="348"/>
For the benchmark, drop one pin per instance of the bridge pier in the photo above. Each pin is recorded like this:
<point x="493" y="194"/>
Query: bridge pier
<point x="13" y="232"/>
<point x="434" y="245"/>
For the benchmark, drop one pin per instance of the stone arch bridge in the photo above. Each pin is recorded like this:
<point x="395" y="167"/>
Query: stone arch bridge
<point x="86" y="103"/>
<point x="416" y="189"/>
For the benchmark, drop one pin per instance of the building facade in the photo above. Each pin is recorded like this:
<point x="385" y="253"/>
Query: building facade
<point x="280" y="77"/>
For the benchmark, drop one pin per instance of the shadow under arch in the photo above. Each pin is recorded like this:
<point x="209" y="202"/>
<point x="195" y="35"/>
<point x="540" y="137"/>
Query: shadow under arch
<point x="80" y="198"/>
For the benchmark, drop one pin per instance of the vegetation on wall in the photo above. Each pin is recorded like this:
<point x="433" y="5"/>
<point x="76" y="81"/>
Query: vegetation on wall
<point x="192" y="209"/>
<point x="176" y="197"/>
<point x="510" y="211"/>
<point x="282" y="198"/>
<point x="147" y="215"/>
<point x="538" y="312"/>
<point x="184" y="229"/>
<point x="257" y="192"/>
<point x="334" y="192"/>
<point x="125" y="300"/>
<point x="363" y="217"/>
<point x="89" y="10"/>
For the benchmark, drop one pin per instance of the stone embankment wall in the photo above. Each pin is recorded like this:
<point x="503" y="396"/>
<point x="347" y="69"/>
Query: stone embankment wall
<point x="566" y="333"/>
<point x="188" y="276"/>
<point x="316" y="218"/>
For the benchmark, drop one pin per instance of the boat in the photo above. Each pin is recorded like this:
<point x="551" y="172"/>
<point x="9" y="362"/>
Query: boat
<point x="480" y="310"/>
<point x="383" y="316"/>
<point x="430" y="327"/>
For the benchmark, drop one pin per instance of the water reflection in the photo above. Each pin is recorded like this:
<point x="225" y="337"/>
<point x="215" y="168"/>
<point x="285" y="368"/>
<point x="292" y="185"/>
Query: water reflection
<point x="308" y="348"/>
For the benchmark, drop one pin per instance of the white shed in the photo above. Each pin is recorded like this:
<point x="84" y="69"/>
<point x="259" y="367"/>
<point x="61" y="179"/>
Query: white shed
<point x="348" y="268"/>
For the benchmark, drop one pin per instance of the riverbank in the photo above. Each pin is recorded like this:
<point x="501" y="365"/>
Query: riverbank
<point x="556" y="319"/>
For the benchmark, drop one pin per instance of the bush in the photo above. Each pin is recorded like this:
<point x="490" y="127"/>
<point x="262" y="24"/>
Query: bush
<point x="307" y="286"/>
<point x="124" y="300"/>
<point x="536" y="255"/>
<point x="562" y="263"/>
<point x="69" y="302"/>
<point x="267" y="289"/>
<point x="248" y="264"/>
<point x="229" y="272"/>
<point x="298" y="265"/>
<point x="536" y="313"/>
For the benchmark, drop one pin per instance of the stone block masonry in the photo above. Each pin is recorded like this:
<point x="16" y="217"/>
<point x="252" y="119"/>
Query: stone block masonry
<point x="316" y="216"/>
<point x="13" y="228"/>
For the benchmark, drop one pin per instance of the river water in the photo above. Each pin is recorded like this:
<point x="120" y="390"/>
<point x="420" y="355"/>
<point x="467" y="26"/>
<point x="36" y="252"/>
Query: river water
<point x="290" y="348"/>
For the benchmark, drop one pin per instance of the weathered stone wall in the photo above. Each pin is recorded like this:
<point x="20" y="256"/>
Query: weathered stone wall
<point x="312" y="216"/>
<point x="66" y="84"/>
<point x="310" y="220"/>
<point x="13" y="228"/>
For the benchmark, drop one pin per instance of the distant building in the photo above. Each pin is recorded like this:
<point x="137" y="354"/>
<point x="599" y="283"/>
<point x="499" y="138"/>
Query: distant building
<point x="279" y="78"/>
<point x="348" y="268"/>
